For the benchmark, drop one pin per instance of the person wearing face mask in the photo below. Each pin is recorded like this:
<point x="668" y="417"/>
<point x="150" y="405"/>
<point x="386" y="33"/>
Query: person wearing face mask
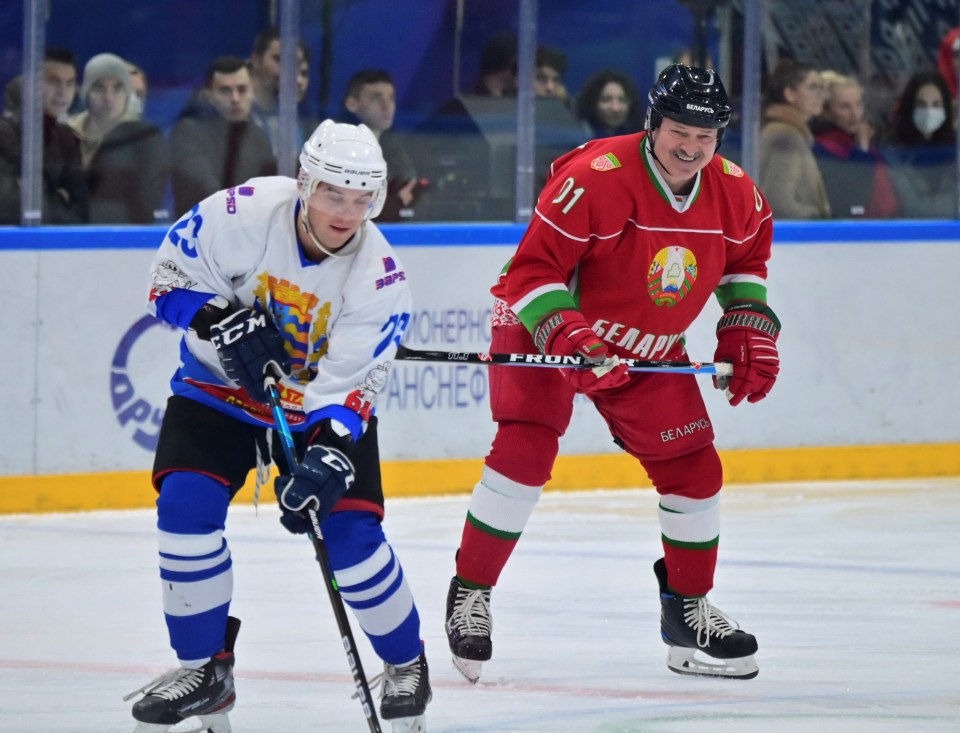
<point x="922" y="148"/>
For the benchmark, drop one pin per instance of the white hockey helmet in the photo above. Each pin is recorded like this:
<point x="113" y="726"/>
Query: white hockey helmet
<point x="344" y="155"/>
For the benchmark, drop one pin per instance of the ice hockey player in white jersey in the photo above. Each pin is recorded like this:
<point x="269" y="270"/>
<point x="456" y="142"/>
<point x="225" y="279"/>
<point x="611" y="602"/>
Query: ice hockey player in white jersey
<point x="290" y="273"/>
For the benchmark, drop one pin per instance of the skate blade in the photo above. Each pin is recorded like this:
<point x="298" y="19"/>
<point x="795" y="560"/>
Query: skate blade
<point x="693" y="662"/>
<point x="417" y="724"/>
<point x="469" y="668"/>
<point x="201" y="724"/>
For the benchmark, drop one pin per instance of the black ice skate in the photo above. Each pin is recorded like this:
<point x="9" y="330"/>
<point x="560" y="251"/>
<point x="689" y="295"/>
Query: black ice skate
<point x="694" y="628"/>
<point x="469" y="625"/>
<point x="404" y="694"/>
<point x="203" y="695"/>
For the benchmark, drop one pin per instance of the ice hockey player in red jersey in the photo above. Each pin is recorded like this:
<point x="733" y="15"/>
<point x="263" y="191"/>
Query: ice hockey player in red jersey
<point x="630" y="237"/>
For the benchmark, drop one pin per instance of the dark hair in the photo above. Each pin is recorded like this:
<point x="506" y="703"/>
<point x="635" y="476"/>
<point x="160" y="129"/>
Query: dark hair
<point x="590" y="95"/>
<point x="553" y="58"/>
<point x="364" y="77"/>
<point x="904" y="132"/>
<point x="223" y="65"/>
<point x="787" y="74"/>
<point x="268" y="35"/>
<point x="60" y="56"/>
<point x="264" y="38"/>
<point x="499" y="53"/>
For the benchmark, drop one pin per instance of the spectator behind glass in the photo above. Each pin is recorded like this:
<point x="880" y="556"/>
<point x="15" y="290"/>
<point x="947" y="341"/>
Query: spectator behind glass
<point x="63" y="185"/>
<point x="126" y="160"/>
<point x="609" y="104"/>
<point x="453" y="150"/>
<point x="548" y="77"/>
<point x="789" y="174"/>
<point x="214" y="144"/>
<point x="59" y="83"/>
<point x="923" y="151"/>
<point x="372" y="99"/>
<point x="138" y="102"/>
<point x="498" y="67"/>
<point x="856" y="179"/>
<point x="265" y="82"/>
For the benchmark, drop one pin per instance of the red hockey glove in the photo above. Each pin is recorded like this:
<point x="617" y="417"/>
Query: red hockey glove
<point x="747" y="338"/>
<point x="566" y="333"/>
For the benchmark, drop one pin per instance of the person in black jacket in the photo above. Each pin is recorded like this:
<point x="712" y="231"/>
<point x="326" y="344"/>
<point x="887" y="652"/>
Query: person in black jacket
<point x="64" y="186"/>
<point x="126" y="159"/>
<point x="214" y="143"/>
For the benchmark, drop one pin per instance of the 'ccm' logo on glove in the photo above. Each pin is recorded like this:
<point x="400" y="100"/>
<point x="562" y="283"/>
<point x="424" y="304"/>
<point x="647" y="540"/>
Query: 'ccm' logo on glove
<point x="247" y="344"/>
<point x="240" y="324"/>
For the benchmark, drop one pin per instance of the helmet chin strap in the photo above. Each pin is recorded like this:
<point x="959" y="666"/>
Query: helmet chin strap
<point x="653" y="152"/>
<point x="304" y="219"/>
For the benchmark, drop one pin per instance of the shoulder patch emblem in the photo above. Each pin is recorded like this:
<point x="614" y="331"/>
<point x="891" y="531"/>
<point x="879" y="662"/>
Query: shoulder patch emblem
<point x="606" y="162"/>
<point x="732" y="169"/>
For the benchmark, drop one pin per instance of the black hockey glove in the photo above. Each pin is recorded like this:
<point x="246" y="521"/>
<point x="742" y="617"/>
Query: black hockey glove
<point x="247" y="343"/>
<point x="323" y="476"/>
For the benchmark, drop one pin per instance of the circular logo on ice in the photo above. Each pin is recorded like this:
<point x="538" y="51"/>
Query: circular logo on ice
<point x="139" y="380"/>
<point x="672" y="275"/>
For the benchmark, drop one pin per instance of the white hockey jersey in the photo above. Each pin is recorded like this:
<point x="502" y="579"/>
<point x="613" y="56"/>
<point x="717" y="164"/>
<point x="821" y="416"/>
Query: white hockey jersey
<point x="341" y="319"/>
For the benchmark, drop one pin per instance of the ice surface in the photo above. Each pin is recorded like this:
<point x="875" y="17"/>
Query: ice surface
<point x="852" y="589"/>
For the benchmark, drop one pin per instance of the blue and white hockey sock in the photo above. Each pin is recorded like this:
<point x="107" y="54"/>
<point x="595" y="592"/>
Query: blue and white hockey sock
<point x="372" y="584"/>
<point x="195" y="564"/>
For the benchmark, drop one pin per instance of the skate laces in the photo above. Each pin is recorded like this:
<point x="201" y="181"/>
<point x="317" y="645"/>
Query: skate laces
<point x="707" y="620"/>
<point x="471" y="612"/>
<point x="400" y="680"/>
<point x="171" y="685"/>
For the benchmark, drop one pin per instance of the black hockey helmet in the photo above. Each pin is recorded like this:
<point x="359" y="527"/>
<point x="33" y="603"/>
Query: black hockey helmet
<point x="689" y="95"/>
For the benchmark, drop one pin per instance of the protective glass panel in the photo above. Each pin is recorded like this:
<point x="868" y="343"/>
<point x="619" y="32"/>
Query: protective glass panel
<point x="438" y="82"/>
<point x="859" y="109"/>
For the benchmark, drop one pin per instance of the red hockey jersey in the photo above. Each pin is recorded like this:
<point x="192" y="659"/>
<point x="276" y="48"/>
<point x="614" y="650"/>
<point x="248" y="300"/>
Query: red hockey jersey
<point x="609" y="238"/>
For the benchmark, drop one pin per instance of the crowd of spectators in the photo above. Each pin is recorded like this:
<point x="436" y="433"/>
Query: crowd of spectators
<point x="824" y="150"/>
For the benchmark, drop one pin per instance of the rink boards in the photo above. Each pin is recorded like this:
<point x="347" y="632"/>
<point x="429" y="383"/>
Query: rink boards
<point x="870" y="357"/>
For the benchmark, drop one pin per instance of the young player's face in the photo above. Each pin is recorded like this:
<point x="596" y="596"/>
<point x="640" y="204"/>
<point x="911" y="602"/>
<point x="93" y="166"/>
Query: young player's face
<point x="335" y="213"/>
<point x="682" y="150"/>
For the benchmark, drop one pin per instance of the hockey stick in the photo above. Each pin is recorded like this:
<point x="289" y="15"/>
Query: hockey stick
<point x="343" y="623"/>
<point x="720" y="369"/>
